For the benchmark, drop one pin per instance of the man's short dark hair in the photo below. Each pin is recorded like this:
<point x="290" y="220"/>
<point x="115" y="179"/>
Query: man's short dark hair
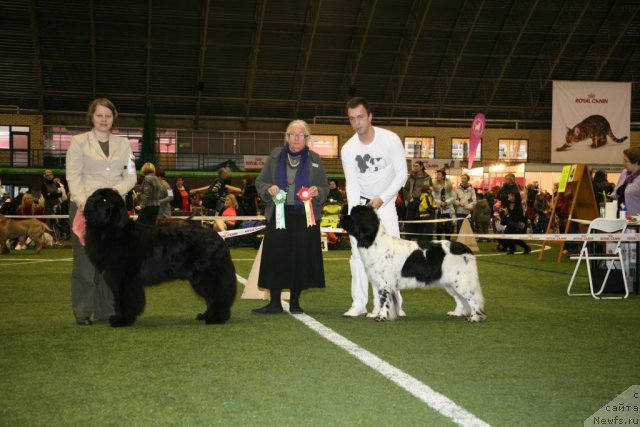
<point x="357" y="101"/>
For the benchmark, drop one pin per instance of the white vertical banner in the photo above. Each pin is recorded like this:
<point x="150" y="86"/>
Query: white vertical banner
<point x="591" y="122"/>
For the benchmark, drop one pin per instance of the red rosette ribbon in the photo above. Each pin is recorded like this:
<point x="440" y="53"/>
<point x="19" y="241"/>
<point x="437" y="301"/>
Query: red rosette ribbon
<point x="305" y="196"/>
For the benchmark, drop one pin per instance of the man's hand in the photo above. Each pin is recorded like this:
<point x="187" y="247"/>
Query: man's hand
<point x="376" y="202"/>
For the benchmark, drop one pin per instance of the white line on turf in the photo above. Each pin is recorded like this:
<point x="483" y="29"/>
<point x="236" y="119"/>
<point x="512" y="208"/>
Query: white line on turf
<point x="23" y="261"/>
<point x="432" y="398"/>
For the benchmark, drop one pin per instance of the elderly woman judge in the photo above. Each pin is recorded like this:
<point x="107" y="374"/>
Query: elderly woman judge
<point x="293" y="183"/>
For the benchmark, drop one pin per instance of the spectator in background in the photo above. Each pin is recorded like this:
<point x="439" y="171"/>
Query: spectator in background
<point x="627" y="191"/>
<point x="412" y="190"/>
<point x="230" y="209"/>
<point x="481" y="215"/>
<point x="149" y="195"/>
<point x="334" y="192"/>
<point x="515" y="222"/>
<point x="8" y="206"/>
<point x="532" y="191"/>
<point x="63" y="191"/>
<point x="601" y="186"/>
<point x="51" y="192"/>
<point x="426" y="212"/>
<point x="214" y="194"/>
<point x="508" y="186"/>
<point x="444" y="198"/>
<point x="181" y="196"/>
<point x="249" y="197"/>
<point x="465" y="200"/>
<point x="542" y="212"/>
<point x="166" y="196"/>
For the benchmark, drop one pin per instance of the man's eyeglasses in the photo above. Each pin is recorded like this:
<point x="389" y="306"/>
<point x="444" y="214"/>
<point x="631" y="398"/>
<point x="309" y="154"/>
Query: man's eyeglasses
<point x="297" y="135"/>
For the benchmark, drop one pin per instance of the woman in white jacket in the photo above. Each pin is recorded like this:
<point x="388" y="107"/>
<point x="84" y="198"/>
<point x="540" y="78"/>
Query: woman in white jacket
<point x="95" y="159"/>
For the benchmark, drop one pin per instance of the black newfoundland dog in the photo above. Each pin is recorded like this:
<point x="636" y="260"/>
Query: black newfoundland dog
<point x="392" y="263"/>
<point x="132" y="256"/>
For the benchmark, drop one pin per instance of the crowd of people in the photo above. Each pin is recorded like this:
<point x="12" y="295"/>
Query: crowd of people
<point x="423" y="197"/>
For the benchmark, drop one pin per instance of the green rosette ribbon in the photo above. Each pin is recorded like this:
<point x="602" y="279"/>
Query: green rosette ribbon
<point x="304" y="195"/>
<point x="279" y="200"/>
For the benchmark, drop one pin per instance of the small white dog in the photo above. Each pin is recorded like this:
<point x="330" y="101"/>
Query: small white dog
<point x="394" y="263"/>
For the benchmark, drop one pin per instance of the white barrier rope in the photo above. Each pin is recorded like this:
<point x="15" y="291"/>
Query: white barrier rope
<point x="223" y="234"/>
<point x="240" y="231"/>
<point x="37" y="216"/>
<point x="557" y="237"/>
<point x="603" y="237"/>
<point x="193" y="218"/>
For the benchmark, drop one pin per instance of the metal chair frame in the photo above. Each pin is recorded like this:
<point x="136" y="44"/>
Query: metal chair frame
<point x="601" y="225"/>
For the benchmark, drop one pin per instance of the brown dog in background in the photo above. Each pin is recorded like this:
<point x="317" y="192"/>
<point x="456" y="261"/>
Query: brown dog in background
<point x="12" y="229"/>
<point x="161" y="222"/>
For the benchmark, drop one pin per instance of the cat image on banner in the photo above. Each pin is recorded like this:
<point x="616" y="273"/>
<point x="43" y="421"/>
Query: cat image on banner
<point x="591" y="122"/>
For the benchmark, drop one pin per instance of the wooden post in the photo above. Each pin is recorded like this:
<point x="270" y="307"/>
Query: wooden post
<point x="583" y="202"/>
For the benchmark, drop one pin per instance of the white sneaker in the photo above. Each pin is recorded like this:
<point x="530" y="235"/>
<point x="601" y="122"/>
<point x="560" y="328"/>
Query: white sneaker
<point x="354" y="312"/>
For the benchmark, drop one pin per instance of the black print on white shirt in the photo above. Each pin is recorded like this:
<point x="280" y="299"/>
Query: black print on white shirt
<point x="368" y="164"/>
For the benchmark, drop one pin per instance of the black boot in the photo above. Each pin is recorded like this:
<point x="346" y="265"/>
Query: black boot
<point x="274" y="306"/>
<point x="294" y="302"/>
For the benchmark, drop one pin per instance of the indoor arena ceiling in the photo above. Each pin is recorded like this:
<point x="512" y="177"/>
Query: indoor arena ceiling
<point x="283" y="59"/>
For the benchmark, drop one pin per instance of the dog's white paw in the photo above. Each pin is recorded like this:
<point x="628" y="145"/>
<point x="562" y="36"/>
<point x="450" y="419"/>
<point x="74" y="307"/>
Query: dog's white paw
<point x="455" y="313"/>
<point x="374" y="312"/>
<point x="476" y="317"/>
<point x="383" y="315"/>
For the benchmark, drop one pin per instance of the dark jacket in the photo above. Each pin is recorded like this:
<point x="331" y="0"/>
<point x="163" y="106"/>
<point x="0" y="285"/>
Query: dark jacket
<point x="150" y="191"/>
<point x="176" y="203"/>
<point x="514" y="219"/>
<point x="602" y="188"/>
<point x="481" y="212"/>
<point x="49" y="190"/>
<point x="317" y="177"/>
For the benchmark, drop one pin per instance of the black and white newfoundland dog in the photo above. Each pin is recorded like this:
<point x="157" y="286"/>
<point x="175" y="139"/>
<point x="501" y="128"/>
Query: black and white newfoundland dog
<point x="392" y="263"/>
<point x="132" y="256"/>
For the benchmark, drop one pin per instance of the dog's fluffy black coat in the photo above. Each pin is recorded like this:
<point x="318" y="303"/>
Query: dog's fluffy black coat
<point x="392" y="263"/>
<point x="132" y="256"/>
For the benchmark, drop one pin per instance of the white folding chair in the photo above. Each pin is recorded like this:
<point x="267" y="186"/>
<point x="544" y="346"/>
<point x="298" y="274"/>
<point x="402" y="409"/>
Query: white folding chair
<point x="609" y="258"/>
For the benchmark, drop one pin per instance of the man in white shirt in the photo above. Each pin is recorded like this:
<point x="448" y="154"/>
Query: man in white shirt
<point x="375" y="169"/>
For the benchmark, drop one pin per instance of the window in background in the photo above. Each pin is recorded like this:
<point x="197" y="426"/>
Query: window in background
<point x="460" y="149"/>
<point x="4" y="137"/>
<point x="325" y="145"/>
<point x="18" y="140"/>
<point x="167" y="141"/>
<point x="416" y="147"/>
<point x="57" y="139"/>
<point x="513" y="149"/>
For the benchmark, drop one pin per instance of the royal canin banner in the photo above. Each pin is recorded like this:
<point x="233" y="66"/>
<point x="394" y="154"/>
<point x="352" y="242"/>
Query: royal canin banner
<point x="254" y="162"/>
<point x="591" y="122"/>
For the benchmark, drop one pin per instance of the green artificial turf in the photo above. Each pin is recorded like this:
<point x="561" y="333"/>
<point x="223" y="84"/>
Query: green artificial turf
<point x="541" y="358"/>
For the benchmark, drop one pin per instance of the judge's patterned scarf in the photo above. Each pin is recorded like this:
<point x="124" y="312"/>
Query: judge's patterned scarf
<point x="302" y="172"/>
